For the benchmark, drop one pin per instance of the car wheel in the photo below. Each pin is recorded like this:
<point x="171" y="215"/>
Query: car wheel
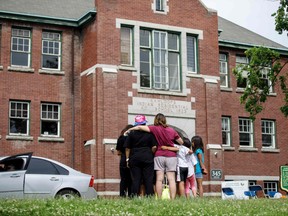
<point x="67" y="194"/>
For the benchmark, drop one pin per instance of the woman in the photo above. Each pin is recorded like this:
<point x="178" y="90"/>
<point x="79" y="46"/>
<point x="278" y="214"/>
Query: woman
<point x="125" y="178"/>
<point x="198" y="149"/>
<point x="165" y="161"/>
<point x="140" y="148"/>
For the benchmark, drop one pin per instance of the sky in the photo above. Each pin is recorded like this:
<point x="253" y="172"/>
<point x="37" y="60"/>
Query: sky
<point x="254" y="15"/>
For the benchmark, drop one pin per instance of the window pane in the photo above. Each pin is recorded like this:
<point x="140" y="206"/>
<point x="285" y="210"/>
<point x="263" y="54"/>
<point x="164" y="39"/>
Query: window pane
<point x="145" y="68"/>
<point x="49" y="61"/>
<point x="173" y="42"/>
<point x="144" y="38"/>
<point x="20" y="59"/>
<point x="126" y="46"/>
<point x="49" y="128"/>
<point x="174" y="71"/>
<point x="191" y="55"/>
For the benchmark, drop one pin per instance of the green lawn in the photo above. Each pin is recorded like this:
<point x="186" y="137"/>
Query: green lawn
<point x="145" y="206"/>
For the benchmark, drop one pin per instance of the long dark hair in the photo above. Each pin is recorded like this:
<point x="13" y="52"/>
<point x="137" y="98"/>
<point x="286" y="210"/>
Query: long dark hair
<point x="197" y="143"/>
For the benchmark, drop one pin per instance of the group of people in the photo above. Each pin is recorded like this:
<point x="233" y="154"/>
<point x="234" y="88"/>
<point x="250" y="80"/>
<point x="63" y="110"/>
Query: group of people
<point x="154" y="152"/>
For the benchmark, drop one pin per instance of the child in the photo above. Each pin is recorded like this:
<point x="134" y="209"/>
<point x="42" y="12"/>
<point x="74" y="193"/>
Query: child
<point x="198" y="149"/>
<point x="191" y="180"/>
<point x="183" y="159"/>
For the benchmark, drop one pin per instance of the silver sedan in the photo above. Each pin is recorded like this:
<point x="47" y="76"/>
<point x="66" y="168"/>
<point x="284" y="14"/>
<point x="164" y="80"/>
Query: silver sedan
<point x="27" y="176"/>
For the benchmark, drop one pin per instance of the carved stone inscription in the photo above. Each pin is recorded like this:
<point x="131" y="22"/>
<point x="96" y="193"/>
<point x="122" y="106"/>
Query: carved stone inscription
<point x="167" y="107"/>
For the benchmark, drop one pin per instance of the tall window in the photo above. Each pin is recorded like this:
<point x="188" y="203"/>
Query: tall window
<point x="159" y="60"/>
<point x="226" y="131"/>
<point x="50" y="119"/>
<point x="265" y="81"/>
<point x="223" y="65"/>
<point x="268" y="133"/>
<point x="191" y="53"/>
<point x="51" y="50"/>
<point x="245" y="132"/>
<point x="18" y="118"/>
<point x="126" y="46"/>
<point x="20" y="47"/>
<point x="242" y="60"/>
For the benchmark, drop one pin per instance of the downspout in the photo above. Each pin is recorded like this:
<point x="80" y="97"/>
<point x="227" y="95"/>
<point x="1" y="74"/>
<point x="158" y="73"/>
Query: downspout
<point x="73" y="101"/>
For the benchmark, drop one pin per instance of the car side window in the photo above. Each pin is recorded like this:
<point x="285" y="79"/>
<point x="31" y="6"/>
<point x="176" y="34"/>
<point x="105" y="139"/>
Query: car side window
<point x="40" y="166"/>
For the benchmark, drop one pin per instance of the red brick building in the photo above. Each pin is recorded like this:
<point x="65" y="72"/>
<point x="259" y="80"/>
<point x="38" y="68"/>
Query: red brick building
<point x="74" y="73"/>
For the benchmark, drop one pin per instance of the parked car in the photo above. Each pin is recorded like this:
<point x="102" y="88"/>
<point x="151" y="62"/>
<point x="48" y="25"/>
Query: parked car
<point x="27" y="176"/>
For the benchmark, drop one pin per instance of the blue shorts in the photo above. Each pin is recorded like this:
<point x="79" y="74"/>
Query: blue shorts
<point x="198" y="175"/>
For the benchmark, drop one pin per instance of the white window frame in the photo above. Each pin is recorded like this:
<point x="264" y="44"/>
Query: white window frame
<point x="51" y="47"/>
<point x="270" y="186"/>
<point x="126" y="46"/>
<point x="242" y="60"/>
<point x="21" y="45"/>
<point x="48" y="115"/>
<point x="223" y="66"/>
<point x="160" y="6"/>
<point x="226" y="129"/>
<point x="18" y="117"/>
<point x="192" y="58"/>
<point x="268" y="129"/>
<point x="245" y="128"/>
<point x="161" y="74"/>
<point x="265" y="77"/>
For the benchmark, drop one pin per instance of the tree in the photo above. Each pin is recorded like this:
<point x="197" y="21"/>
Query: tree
<point x="264" y="62"/>
<point x="281" y="17"/>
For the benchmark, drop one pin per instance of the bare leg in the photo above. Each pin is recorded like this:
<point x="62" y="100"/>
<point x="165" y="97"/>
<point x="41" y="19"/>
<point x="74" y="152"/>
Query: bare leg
<point x="200" y="187"/>
<point x="182" y="188"/>
<point x="172" y="184"/>
<point x="159" y="183"/>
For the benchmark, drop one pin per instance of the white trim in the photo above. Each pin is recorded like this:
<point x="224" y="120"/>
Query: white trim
<point x="113" y="181"/>
<point x="105" y="69"/>
<point x="160" y="26"/>
<point x="109" y="141"/>
<point x="90" y="142"/>
<point x="257" y="178"/>
<point x="214" y="146"/>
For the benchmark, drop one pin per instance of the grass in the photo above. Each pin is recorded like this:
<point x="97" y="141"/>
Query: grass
<point x="144" y="206"/>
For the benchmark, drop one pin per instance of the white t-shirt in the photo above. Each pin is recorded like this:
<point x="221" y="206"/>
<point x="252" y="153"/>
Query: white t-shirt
<point x="185" y="159"/>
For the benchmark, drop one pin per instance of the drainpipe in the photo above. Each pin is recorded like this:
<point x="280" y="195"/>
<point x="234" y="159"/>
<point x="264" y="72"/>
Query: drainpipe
<point x="73" y="101"/>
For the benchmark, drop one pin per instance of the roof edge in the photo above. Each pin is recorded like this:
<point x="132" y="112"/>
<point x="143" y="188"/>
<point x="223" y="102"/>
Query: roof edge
<point x="238" y="45"/>
<point x="49" y="20"/>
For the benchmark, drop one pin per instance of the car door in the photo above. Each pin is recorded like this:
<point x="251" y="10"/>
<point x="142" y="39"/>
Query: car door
<point x="12" y="180"/>
<point x="42" y="179"/>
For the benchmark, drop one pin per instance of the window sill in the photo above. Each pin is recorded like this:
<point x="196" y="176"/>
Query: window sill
<point x="226" y="89"/>
<point x="50" y="139"/>
<point x="270" y="150"/>
<point x="19" y="137"/>
<point x="228" y="148"/>
<point x="20" y="69"/>
<point x="1" y="67"/>
<point x="52" y="72"/>
<point x="247" y="149"/>
<point x="239" y="90"/>
<point x="150" y="91"/>
<point x="127" y="68"/>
